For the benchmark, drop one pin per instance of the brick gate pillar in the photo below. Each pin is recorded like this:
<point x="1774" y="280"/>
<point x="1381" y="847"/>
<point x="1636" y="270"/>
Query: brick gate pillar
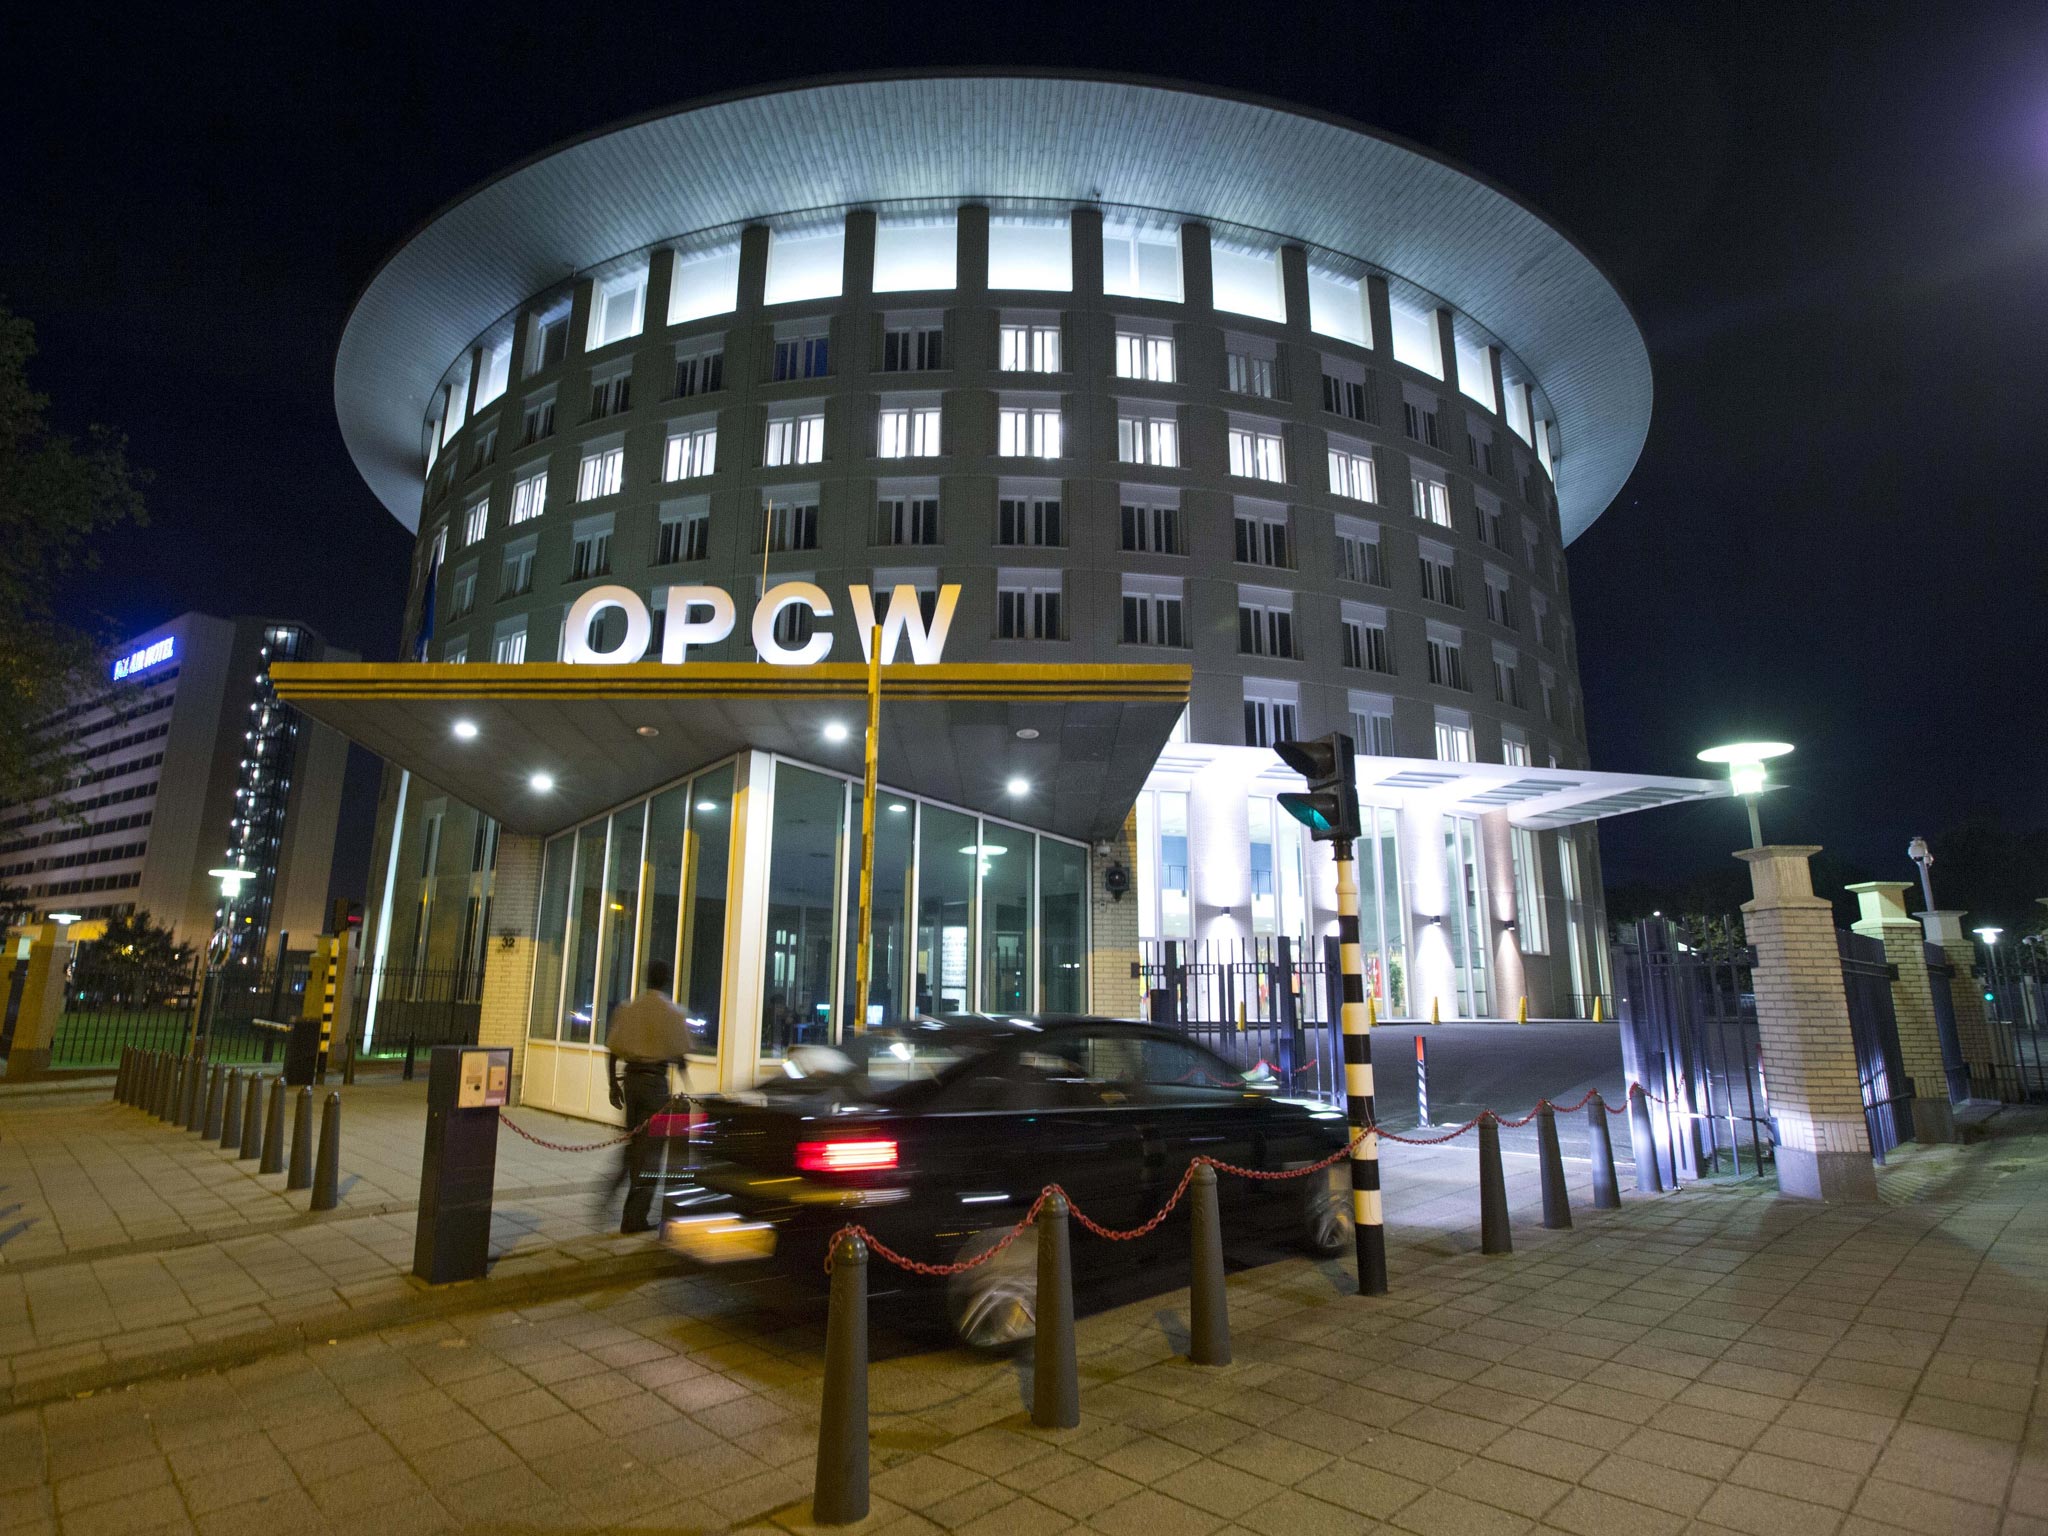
<point x="42" y="1003"/>
<point x="1982" y="1046"/>
<point x="508" y="948"/>
<point x="1113" y="930"/>
<point x="1884" y="918"/>
<point x="1802" y="1015"/>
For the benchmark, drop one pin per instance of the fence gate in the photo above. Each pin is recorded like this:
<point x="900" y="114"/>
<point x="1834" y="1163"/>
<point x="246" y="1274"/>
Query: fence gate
<point x="1689" y="1035"/>
<point x="1287" y="992"/>
<point x="1867" y="982"/>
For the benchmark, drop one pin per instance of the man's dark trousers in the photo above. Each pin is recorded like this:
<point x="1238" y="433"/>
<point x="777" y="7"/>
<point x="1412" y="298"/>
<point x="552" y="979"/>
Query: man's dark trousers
<point x="646" y="1092"/>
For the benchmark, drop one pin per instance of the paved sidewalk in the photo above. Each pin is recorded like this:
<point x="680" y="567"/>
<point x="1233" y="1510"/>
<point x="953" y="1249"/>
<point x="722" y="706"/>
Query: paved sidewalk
<point x="127" y="1244"/>
<point x="1712" y="1360"/>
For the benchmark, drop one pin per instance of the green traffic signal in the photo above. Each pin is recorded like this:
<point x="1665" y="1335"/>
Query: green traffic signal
<point x="1316" y="812"/>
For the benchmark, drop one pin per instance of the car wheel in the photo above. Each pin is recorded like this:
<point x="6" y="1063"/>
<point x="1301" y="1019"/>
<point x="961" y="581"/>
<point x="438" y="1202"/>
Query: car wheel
<point x="1326" y="1227"/>
<point x="994" y="1306"/>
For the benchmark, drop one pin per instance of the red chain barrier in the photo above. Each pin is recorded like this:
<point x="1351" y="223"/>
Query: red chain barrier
<point x="593" y="1146"/>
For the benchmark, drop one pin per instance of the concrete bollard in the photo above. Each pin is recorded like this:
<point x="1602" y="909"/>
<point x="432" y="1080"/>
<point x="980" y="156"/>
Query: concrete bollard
<point x="1557" y="1199"/>
<point x="216" y="1083"/>
<point x="273" y="1130"/>
<point x="252" y="1118"/>
<point x="1606" y="1191"/>
<point x="194" y="1113"/>
<point x="839" y="1490"/>
<point x="327" y="1167"/>
<point x="181" y="1068"/>
<point x="1055" y="1374"/>
<point x="1494" y="1236"/>
<point x="167" y="1087"/>
<point x="1208" y="1307"/>
<point x="231" y="1112"/>
<point x="145" y="1087"/>
<point x="1642" y="1143"/>
<point x="300" y="1174"/>
<point x="121" y="1073"/>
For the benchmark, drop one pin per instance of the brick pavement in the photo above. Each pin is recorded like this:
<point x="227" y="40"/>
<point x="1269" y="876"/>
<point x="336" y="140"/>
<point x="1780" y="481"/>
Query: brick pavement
<point x="1715" y="1360"/>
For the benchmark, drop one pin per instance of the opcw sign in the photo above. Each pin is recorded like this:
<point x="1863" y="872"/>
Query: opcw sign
<point x="704" y="616"/>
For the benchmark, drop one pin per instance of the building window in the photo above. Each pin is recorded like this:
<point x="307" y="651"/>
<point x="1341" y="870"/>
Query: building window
<point x="808" y="263"/>
<point x="462" y="595"/>
<point x="1548" y="681"/>
<point x="1500" y="602"/>
<point x="1507" y="679"/>
<point x="529" y="497"/>
<point x="909" y="432"/>
<point x="1453" y="738"/>
<point x="515" y="577"/>
<point x="1262" y="540"/>
<point x="691" y="452"/>
<point x="1143" y="437"/>
<point x="608" y="397"/>
<point x="590" y="552"/>
<point x="538" y="421"/>
<point x="1432" y="500"/>
<point x="1475" y="371"/>
<point x="494" y="373"/>
<point x="1028" y="521"/>
<point x="1514" y="751"/>
<point x="600" y="474"/>
<point x="1269" y="713"/>
<point x="1367" y="647"/>
<point x="802" y="357"/>
<point x="485" y="453"/>
<point x="1479" y="449"/>
<point x="616" y="305"/>
<point x="1417" y="341"/>
<point x="1030" y="347"/>
<point x="1030" y="252"/>
<point x="794" y="625"/>
<point x="455" y="652"/>
<point x="795" y="440"/>
<point x="1245" y="281"/>
<point x="1346" y="397"/>
<point x="1532" y="922"/>
<point x="700" y="373"/>
<point x="1142" y="356"/>
<point x="1372" y="724"/>
<point x="1447" y="660"/>
<point x="705" y="283"/>
<point x="1337" y="306"/>
<point x="913" y="348"/>
<point x="1420" y="423"/>
<point x="476" y="521"/>
<point x="907" y="520"/>
<point x="1518" y="409"/>
<point x="913" y="255"/>
<point x="1152" y="612"/>
<point x="1028" y="605"/>
<point x="1141" y="262"/>
<point x="1353" y="473"/>
<point x="1028" y="432"/>
<point x="1151" y="528"/>
<point x="1247" y="374"/>
<point x="792" y="525"/>
<point x="1492" y="528"/>
<point x="509" y="645"/>
<point x="1440" y="576"/>
<point x="685" y="534"/>
<point x="1358" y="554"/>
<point x="550" y="340"/>
<point x="1265" y="625"/>
<point x="1256" y="454"/>
<point x="923" y="580"/>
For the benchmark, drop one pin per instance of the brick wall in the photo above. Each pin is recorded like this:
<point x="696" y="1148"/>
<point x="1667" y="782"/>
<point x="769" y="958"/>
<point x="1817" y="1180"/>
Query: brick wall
<point x="1113" y="933"/>
<point x="508" y="973"/>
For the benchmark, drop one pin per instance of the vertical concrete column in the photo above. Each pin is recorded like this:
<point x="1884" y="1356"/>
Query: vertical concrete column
<point x="661" y="277"/>
<point x="1294" y="290"/>
<point x="970" y="227"/>
<point x="857" y="258"/>
<point x="41" y="1006"/>
<point x="1447" y="344"/>
<point x="746" y="922"/>
<point x="1500" y="389"/>
<point x="1197" y="276"/>
<point x="1381" y="308"/>
<point x="504" y="1009"/>
<point x="1504" y="944"/>
<point x="1983" y="1046"/>
<point x="1086" y="228"/>
<point x="1884" y="918"/>
<point x="1802" y="1014"/>
<point x="1113" y="929"/>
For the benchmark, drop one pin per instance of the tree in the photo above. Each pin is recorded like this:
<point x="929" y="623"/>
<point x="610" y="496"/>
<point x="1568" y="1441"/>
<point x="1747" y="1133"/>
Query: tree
<point x="136" y="959"/>
<point x="57" y="496"/>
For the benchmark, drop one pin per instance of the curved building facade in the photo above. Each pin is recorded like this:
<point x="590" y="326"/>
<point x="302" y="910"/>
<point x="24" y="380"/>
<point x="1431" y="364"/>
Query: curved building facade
<point x="1148" y="374"/>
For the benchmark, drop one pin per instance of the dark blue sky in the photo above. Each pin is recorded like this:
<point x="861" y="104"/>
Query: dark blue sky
<point x="1832" y="222"/>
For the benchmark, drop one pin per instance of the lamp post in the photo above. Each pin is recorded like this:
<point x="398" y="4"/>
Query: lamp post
<point x="1918" y="851"/>
<point x="230" y="879"/>
<point x="1747" y="774"/>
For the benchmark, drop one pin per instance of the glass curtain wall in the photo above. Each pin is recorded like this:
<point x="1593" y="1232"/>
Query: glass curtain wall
<point x="945" y="910"/>
<point x="1063" y="925"/>
<point x="804" y="881"/>
<point x="1379" y="910"/>
<point x="1465" y="914"/>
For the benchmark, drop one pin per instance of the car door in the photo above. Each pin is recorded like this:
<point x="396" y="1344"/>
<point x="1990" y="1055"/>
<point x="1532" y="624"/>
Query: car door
<point x="1198" y="1106"/>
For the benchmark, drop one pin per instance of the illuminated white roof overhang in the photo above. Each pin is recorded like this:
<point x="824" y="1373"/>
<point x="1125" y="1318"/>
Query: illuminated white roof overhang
<point x="1191" y="150"/>
<point x="1538" y="798"/>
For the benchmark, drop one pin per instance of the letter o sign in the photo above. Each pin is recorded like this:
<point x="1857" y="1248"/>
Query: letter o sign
<point x="588" y="605"/>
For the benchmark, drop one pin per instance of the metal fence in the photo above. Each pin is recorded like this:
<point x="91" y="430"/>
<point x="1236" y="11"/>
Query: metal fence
<point x="168" y="1004"/>
<point x="1272" y="1000"/>
<point x="415" y="1009"/>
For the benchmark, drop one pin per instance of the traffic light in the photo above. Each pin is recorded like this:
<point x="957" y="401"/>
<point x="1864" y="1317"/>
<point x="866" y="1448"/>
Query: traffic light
<point x="1329" y="807"/>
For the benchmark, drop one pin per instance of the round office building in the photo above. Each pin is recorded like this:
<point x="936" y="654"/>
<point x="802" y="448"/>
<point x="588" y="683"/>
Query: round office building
<point x="1191" y="422"/>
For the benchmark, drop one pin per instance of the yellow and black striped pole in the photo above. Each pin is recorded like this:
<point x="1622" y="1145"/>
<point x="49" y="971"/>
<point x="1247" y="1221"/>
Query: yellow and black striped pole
<point x="1367" y="1217"/>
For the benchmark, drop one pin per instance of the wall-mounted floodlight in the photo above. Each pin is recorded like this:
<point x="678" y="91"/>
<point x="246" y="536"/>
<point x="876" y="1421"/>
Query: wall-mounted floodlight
<point x="1747" y="774"/>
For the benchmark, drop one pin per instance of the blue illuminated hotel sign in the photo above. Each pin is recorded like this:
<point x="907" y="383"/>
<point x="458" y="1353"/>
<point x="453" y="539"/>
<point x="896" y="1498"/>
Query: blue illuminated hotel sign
<point x="152" y="655"/>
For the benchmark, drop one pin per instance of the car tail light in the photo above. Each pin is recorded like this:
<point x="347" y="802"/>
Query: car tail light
<point x="845" y="1156"/>
<point x="670" y="1124"/>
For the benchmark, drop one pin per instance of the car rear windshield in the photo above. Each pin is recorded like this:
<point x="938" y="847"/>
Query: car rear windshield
<point x="904" y="1058"/>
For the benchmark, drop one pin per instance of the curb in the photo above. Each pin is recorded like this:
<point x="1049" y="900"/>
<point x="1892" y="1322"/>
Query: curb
<point x="342" y="1321"/>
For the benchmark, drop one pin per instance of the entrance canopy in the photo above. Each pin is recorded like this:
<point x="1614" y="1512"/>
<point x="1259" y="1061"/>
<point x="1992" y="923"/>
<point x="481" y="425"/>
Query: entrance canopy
<point x="1065" y="748"/>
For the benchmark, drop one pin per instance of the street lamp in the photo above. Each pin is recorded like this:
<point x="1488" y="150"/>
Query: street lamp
<point x="1988" y="935"/>
<point x="230" y="879"/>
<point x="1746" y="773"/>
<point x="1918" y="851"/>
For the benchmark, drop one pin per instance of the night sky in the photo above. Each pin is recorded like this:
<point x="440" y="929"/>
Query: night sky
<point x="1832" y="223"/>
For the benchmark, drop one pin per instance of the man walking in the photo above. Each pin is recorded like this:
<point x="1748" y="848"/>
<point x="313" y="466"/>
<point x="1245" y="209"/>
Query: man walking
<point x="646" y="1034"/>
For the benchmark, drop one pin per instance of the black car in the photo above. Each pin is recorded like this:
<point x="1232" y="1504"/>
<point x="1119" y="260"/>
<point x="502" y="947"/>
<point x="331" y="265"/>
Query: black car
<point x="938" y="1134"/>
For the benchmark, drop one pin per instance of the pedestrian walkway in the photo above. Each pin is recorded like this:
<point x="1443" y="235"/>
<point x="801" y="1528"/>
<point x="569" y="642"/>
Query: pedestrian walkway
<point x="127" y="1244"/>
<point x="1714" y="1360"/>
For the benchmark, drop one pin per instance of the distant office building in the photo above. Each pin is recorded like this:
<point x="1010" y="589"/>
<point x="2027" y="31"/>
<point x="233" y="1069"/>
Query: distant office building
<point x="188" y="763"/>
